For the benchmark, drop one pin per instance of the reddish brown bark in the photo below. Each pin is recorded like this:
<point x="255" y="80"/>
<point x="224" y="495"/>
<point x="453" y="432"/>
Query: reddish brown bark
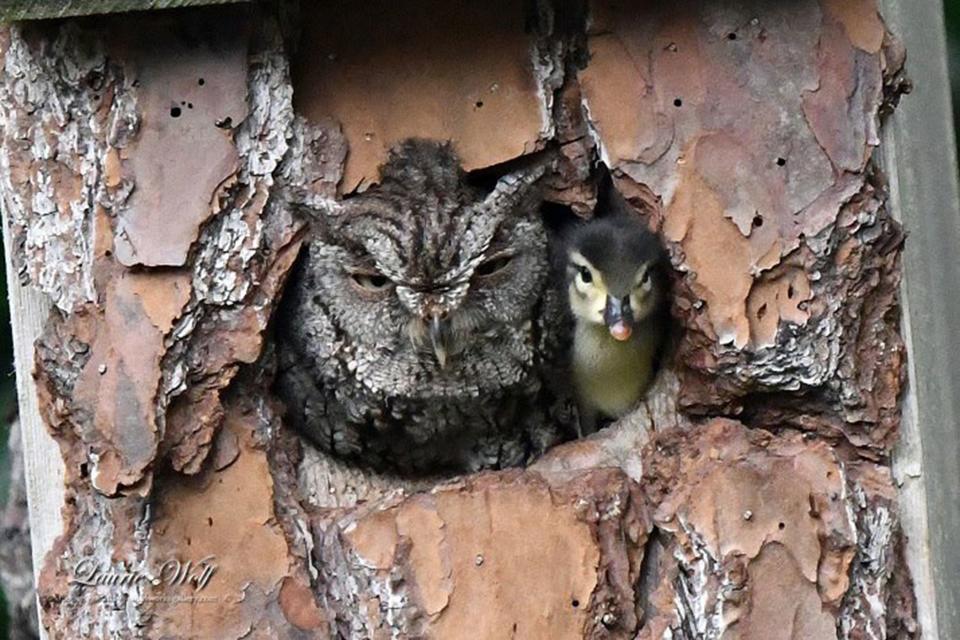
<point x="750" y="496"/>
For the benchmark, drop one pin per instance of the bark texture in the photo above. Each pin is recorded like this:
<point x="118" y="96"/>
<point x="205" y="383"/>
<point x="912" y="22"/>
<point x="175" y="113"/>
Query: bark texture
<point x="151" y="166"/>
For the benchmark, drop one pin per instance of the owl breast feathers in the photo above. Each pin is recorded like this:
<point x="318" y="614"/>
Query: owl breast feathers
<point x="419" y="327"/>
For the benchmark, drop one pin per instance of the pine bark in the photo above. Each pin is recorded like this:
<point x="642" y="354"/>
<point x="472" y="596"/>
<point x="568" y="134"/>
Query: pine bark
<point x="152" y="168"/>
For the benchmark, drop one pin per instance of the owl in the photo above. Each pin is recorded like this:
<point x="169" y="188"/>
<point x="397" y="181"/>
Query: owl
<point x="420" y="324"/>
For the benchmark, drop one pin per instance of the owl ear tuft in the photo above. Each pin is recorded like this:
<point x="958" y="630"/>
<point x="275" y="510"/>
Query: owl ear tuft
<point x="513" y="188"/>
<point x="320" y="214"/>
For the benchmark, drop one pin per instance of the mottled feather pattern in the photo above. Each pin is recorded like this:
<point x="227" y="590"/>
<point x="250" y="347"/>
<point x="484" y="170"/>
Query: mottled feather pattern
<point x="358" y="369"/>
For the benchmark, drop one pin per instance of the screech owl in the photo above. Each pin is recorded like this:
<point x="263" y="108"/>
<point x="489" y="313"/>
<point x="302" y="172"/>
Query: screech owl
<point x="418" y="328"/>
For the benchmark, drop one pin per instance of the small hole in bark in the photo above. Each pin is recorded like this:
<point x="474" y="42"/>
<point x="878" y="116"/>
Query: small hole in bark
<point x="731" y="36"/>
<point x="781" y="526"/>
<point x="201" y="81"/>
<point x="224" y="123"/>
<point x="762" y="311"/>
<point x="210" y="522"/>
<point x="95" y="80"/>
<point x="790" y="292"/>
<point x="96" y="96"/>
<point x="575" y="603"/>
<point x="757" y="221"/>
<point x="677" y="102"/>
<point x="189" y="541"/>
<point x="175" y="112"/>
<point x="478" y="104"/>
<point x="189" y="105"/>
<point x="802" y="236"/>
<point x="781" y="162"/>
<point x="84" y="470"/>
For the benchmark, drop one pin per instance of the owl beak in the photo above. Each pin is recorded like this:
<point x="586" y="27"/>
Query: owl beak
<point x="438" y="339"/>
<point x="618" y="317"/>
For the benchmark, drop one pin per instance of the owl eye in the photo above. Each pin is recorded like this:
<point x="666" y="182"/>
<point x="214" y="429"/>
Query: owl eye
<point x="585" y="275"/>
<point x="372" y="282"/>
<point x="493" y="265"/>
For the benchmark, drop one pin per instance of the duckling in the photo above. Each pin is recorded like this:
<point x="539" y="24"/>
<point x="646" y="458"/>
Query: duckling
<point x="616" y="291"/>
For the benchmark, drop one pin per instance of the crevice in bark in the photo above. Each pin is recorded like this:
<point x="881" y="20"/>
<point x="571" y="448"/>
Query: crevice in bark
<point x="778" y="403"/>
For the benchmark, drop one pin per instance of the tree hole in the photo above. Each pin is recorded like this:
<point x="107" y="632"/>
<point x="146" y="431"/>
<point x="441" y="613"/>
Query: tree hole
<point x="478" y="104"/>
<point x="201" y="81"/>
<point x="757" y="221"/>
<point x="731" y="36"/>
<point x="575" y="603"/>
<point x="677" y="102"/>
<point x="175" y="112"/>
<point x="781" y="526"/>
<point x="781" y="162"/>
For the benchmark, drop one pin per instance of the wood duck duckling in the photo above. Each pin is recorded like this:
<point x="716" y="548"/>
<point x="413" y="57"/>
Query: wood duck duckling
<point x="616" y="290"/>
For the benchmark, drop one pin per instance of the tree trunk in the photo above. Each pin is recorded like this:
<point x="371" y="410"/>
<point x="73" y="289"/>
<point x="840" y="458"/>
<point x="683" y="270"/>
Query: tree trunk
<point x="152" y="169"/>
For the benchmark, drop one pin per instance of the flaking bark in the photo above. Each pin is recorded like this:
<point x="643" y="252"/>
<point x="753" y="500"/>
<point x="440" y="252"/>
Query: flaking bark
<point x="748" y="497"/>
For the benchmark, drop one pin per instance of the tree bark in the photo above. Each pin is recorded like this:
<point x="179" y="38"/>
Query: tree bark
<point x="152" y="169"/>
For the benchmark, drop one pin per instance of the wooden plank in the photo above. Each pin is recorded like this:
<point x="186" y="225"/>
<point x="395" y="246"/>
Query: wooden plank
<point x="43" y="465"/>
<point x="11" y="10"/>
<point x="919" y="156"/>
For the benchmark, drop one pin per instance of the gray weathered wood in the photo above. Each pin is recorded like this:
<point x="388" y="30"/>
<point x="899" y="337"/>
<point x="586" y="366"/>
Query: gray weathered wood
<point x="43" y="465"/>
<point x="11" y="10"/>
<point x="920" y="159"/>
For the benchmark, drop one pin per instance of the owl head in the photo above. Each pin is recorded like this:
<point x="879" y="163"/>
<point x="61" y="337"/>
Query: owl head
<point x="430" y="281"/>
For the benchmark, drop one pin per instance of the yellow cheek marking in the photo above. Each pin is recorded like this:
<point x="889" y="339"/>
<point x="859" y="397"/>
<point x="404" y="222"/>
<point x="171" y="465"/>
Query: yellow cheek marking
<point x="588" y="304"/>
<point x="591" y="297"/>
<point x="599" y="301"/>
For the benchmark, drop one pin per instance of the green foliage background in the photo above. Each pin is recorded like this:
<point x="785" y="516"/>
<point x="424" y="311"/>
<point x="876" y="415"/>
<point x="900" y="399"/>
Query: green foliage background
<point x="951" y="9"/>
<point x="8" y="407"/>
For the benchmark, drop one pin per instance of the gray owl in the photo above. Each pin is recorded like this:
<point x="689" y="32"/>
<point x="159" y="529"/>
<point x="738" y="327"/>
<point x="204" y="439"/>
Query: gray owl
<point x="420" y="324"/>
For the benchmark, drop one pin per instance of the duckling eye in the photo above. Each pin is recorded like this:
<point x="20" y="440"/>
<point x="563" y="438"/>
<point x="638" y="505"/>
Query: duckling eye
<point x="373" y="282"/>
<point x="585" y="276"/>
